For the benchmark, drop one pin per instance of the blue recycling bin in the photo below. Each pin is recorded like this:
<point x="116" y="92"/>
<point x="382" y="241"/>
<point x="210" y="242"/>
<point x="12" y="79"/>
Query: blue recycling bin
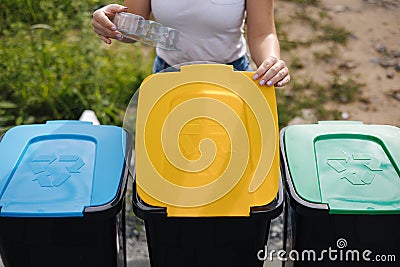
<point x="62" y="195"/>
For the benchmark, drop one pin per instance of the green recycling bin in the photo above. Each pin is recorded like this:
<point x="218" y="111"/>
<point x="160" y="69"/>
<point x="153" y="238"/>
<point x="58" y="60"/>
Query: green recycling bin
<point x="62" y="195"/>
<point x="343" y="194"/>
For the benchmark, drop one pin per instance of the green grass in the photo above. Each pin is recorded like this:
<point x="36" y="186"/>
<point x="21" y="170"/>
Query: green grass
<point x="302" y="16"/>
<point x="311" y="95"/>
<point x="326" y="55"/>
<point x="344" y="90"/>
<point x="327" y="31"/>
<point x="334" y="33"/>
<point x="305" y="2"/>
<point x="296" y="63"/>
<point x="50" y="71"/>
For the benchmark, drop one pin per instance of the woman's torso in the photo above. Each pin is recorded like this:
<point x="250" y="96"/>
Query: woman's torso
<point x="211" y="30"/>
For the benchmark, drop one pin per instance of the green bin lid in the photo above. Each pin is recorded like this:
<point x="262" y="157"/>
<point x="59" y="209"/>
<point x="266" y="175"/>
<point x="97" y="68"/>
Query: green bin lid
<point x="351" y="167"/>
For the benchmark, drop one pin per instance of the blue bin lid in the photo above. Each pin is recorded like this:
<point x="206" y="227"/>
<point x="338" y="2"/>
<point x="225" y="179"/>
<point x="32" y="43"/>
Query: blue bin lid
<point x="60" y="168"/>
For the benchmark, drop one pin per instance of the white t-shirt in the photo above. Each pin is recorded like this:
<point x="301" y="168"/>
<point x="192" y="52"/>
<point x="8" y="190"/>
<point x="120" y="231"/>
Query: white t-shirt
<point x="210" y="30"/>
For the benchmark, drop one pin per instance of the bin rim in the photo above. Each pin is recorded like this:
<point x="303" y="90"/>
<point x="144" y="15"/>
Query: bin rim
<point x="113" y="207"/>
<point x="293" y="198"/>
<point x="146" y="211"/>
<point x="117" y="201"/>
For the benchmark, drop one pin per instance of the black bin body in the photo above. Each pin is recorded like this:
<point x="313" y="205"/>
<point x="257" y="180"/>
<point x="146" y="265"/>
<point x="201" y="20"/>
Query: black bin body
<point x="206" y="241"/>
<point x="64" y="242"/>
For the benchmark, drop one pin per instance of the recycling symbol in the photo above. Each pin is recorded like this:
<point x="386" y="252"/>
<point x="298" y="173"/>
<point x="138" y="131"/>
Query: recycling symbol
<point x="357" y="169"/>
<point x="51" y="171"/>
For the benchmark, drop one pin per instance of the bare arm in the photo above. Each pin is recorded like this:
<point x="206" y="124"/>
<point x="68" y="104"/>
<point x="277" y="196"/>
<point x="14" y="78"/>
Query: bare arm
<point x="139" y="7"/>
<point x="264" y="44"/>
<point x="102" y="18"/>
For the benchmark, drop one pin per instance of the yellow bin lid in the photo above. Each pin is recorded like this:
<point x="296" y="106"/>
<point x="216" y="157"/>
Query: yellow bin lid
<point x="206" y="142"/>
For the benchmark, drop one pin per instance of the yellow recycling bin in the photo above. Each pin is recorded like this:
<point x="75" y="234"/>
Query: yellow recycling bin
<point x="207" y="166"/>
<point x="206" y="142"/>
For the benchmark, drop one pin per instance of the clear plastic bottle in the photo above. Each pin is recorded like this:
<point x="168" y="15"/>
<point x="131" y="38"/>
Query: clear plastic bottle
<point x="152" y="33"/>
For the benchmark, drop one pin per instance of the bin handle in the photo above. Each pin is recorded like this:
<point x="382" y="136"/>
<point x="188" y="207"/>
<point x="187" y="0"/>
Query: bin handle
<point x="68" y="122"/>
<point x="340" y="122"/>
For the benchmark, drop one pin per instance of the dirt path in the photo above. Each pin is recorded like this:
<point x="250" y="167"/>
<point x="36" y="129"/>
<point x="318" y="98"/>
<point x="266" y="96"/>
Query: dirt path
<point x="371" y="55"/>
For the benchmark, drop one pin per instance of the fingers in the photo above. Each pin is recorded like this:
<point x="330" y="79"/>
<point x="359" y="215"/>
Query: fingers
<point x="284" y="81"/>
<point x="102" y="24"/>
<point x="272" y="71"/>
<point x="111" y="9"/>
<point x="106" y="34"/>
<point x="105" y="39"/>
<point x="278" y="74"/>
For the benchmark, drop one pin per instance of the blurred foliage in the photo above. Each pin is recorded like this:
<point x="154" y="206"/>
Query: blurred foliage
<point x="53" y="66"/>
<point x="59" y="14"/>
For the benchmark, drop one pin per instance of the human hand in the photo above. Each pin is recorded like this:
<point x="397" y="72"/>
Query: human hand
<point x="272" y="71"/>
<point x="102" y="22"/>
